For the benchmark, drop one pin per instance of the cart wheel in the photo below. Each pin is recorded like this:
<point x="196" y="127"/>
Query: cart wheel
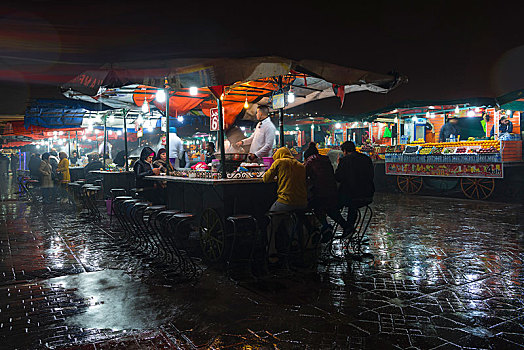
<point x="477" y="188"/>
<point x="409" y="184"/>
<point x="212" y="237"/>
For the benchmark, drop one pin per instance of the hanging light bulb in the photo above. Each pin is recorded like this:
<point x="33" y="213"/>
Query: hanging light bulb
<point x="160" y="95"/>
<point x="470" y="113"/>
<point x="457" y="110"/>
<point x="246" y="105"/>
<point x="243" y="128"/>
<point x="290" y="97"/>
<point x="338" y="125"/>
<point x="145" y="106"/>
<point x="193" y="90"/>
<point x="180" y="118"/>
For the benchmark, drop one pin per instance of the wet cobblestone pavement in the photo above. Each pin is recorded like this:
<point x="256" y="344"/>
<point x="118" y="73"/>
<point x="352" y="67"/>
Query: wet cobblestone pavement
<point x="446" y="274"/>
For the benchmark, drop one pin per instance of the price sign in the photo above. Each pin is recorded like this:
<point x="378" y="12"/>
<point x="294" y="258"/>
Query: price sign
<point x="279" y="101"/>
<point x="213" y="114"/>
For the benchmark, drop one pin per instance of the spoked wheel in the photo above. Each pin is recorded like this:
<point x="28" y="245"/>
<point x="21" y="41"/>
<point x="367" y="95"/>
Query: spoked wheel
<point x="212" y="236"/>
<point x="477" y="188"/>
<point x="409" y="184"/>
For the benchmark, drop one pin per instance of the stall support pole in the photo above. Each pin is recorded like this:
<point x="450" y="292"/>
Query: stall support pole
<point x="105" y="142"/>
<point x="69" y="143"/>
<point x="125" y="138"/>
<point x="167" y="119"/>
<point x="281" y="115"/>
<point x="221" y="137"/>
<point x="76" y="135"/>
<point x="312" y="132"/>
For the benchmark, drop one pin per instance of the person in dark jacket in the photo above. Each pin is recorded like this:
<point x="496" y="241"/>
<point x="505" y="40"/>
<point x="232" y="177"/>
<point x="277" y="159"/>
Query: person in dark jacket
<point x="505" y="125"/>
<point x="74" y="157"/>
<point x="162" y="163"/>
<point x="311" y="149"/>
<point x="120" y="158"/>
<point x="34" y="166"/>
<point x="93" y="164"/>
<point x="323" y="192"/>
<point x="448" y="129"/>
<point x="144" y="167"/>
<point x="210" y="152"/>
<point x="355" y="174"/>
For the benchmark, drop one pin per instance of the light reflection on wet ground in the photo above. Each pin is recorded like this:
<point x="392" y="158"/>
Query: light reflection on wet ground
<point x="446" y="274"/>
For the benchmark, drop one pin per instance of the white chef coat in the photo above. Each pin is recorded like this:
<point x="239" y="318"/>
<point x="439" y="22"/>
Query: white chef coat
<point x="262" y="140"/>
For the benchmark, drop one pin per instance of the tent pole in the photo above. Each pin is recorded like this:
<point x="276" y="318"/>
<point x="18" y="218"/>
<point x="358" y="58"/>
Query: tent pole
<point x="105" y="141"/>
<point x="281" y="115"/>
<point x="69" y="143"/>
<point x="76" y="135"/>
<point x="125" y="138"/>
<point x="221" y="137"/>
<point x="166" y="90"/>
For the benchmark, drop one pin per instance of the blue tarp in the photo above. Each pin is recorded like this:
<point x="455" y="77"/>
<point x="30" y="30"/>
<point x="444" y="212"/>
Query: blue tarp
<point x="59" y="114"/>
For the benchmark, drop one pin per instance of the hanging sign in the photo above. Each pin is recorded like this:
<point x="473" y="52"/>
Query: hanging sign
<point x="213" y="114"/>
<point x="279" y="101"/>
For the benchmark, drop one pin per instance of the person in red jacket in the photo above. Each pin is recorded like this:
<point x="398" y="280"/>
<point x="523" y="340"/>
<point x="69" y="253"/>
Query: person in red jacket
<point x="323" y="192"/>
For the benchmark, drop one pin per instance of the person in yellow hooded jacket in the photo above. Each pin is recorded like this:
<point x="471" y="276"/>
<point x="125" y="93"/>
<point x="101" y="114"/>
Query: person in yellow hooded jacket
<point x="290" y="176"/>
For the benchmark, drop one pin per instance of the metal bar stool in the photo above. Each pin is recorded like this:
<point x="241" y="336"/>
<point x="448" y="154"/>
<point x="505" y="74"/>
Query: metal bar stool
<point x="160" y="225"/>
<point x="249" y="238"/>
<point x="181" y="225"/>
<point x="356" y="239"/>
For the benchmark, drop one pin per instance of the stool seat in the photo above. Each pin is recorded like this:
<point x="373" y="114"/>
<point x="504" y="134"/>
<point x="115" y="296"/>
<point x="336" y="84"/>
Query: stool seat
<point x="123" y="198"/>
<point x="240" y="217"/>
<point x="130" y="201"/>
<point x="169" y="212"/>
<point x="156" y="207"/>
<point x="183" y="215"/>
<point x="94" y="188"/>
<point x="118" y="190"/>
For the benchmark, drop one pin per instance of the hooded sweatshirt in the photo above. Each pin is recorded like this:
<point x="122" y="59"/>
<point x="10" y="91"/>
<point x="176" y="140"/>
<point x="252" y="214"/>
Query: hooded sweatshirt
<point x="143" y="168"/>
<point x="290" y="176"/>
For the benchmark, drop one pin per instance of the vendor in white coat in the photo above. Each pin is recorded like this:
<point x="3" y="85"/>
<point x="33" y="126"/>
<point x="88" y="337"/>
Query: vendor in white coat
<point x="176" y="148"/>
<point x="263" y="139"/>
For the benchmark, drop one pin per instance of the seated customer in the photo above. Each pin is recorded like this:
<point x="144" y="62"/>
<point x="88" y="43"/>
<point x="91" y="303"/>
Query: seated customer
<point x="94" y="163"/>
<point x="355" y="173"/>
<point x="323" y="192"/>
<point x="290" y="176"/>
<point x="162" y="163"/>
<point x="142" y="168"/>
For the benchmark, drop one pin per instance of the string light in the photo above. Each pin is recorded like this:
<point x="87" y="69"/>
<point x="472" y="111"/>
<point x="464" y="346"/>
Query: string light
<point x="160" y="96"/>
<point x="290" y="97"/>
<point x="145" y="106"/>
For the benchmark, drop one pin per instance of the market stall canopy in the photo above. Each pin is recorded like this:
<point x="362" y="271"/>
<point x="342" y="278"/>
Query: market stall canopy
<point x="247" y="81"/>
<point x="58" y="114"/>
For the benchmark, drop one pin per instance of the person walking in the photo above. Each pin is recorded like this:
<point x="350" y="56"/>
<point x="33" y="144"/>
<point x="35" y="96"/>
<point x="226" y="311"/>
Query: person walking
<point x="355" y="174"/>
<point x="63" y="175"/>
<point x="46" y="179"/>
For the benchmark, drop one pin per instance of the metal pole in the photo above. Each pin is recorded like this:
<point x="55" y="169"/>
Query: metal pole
<point x="166" y="89"/>
<point x="105" y="142"/>
<point x="125" y="138"/>
<point x="221" y="137"/>
<point x="69" y="143"/>
<point x="281" y="115"/>
<point x="77" y="153"/>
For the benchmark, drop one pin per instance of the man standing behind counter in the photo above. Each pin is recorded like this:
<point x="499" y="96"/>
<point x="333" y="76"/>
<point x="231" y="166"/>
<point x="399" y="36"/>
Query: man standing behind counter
<point x="263" y="138"/>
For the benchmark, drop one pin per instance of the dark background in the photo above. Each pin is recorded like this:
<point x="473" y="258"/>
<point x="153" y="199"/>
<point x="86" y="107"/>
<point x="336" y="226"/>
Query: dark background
<point x="447" y="49"/>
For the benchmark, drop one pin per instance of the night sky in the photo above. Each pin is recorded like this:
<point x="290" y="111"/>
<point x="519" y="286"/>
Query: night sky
<point x="448" y="50"/>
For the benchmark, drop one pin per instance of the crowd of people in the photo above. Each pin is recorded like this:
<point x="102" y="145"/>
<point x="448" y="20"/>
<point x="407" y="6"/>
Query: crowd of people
<point x="316" y="185"/>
